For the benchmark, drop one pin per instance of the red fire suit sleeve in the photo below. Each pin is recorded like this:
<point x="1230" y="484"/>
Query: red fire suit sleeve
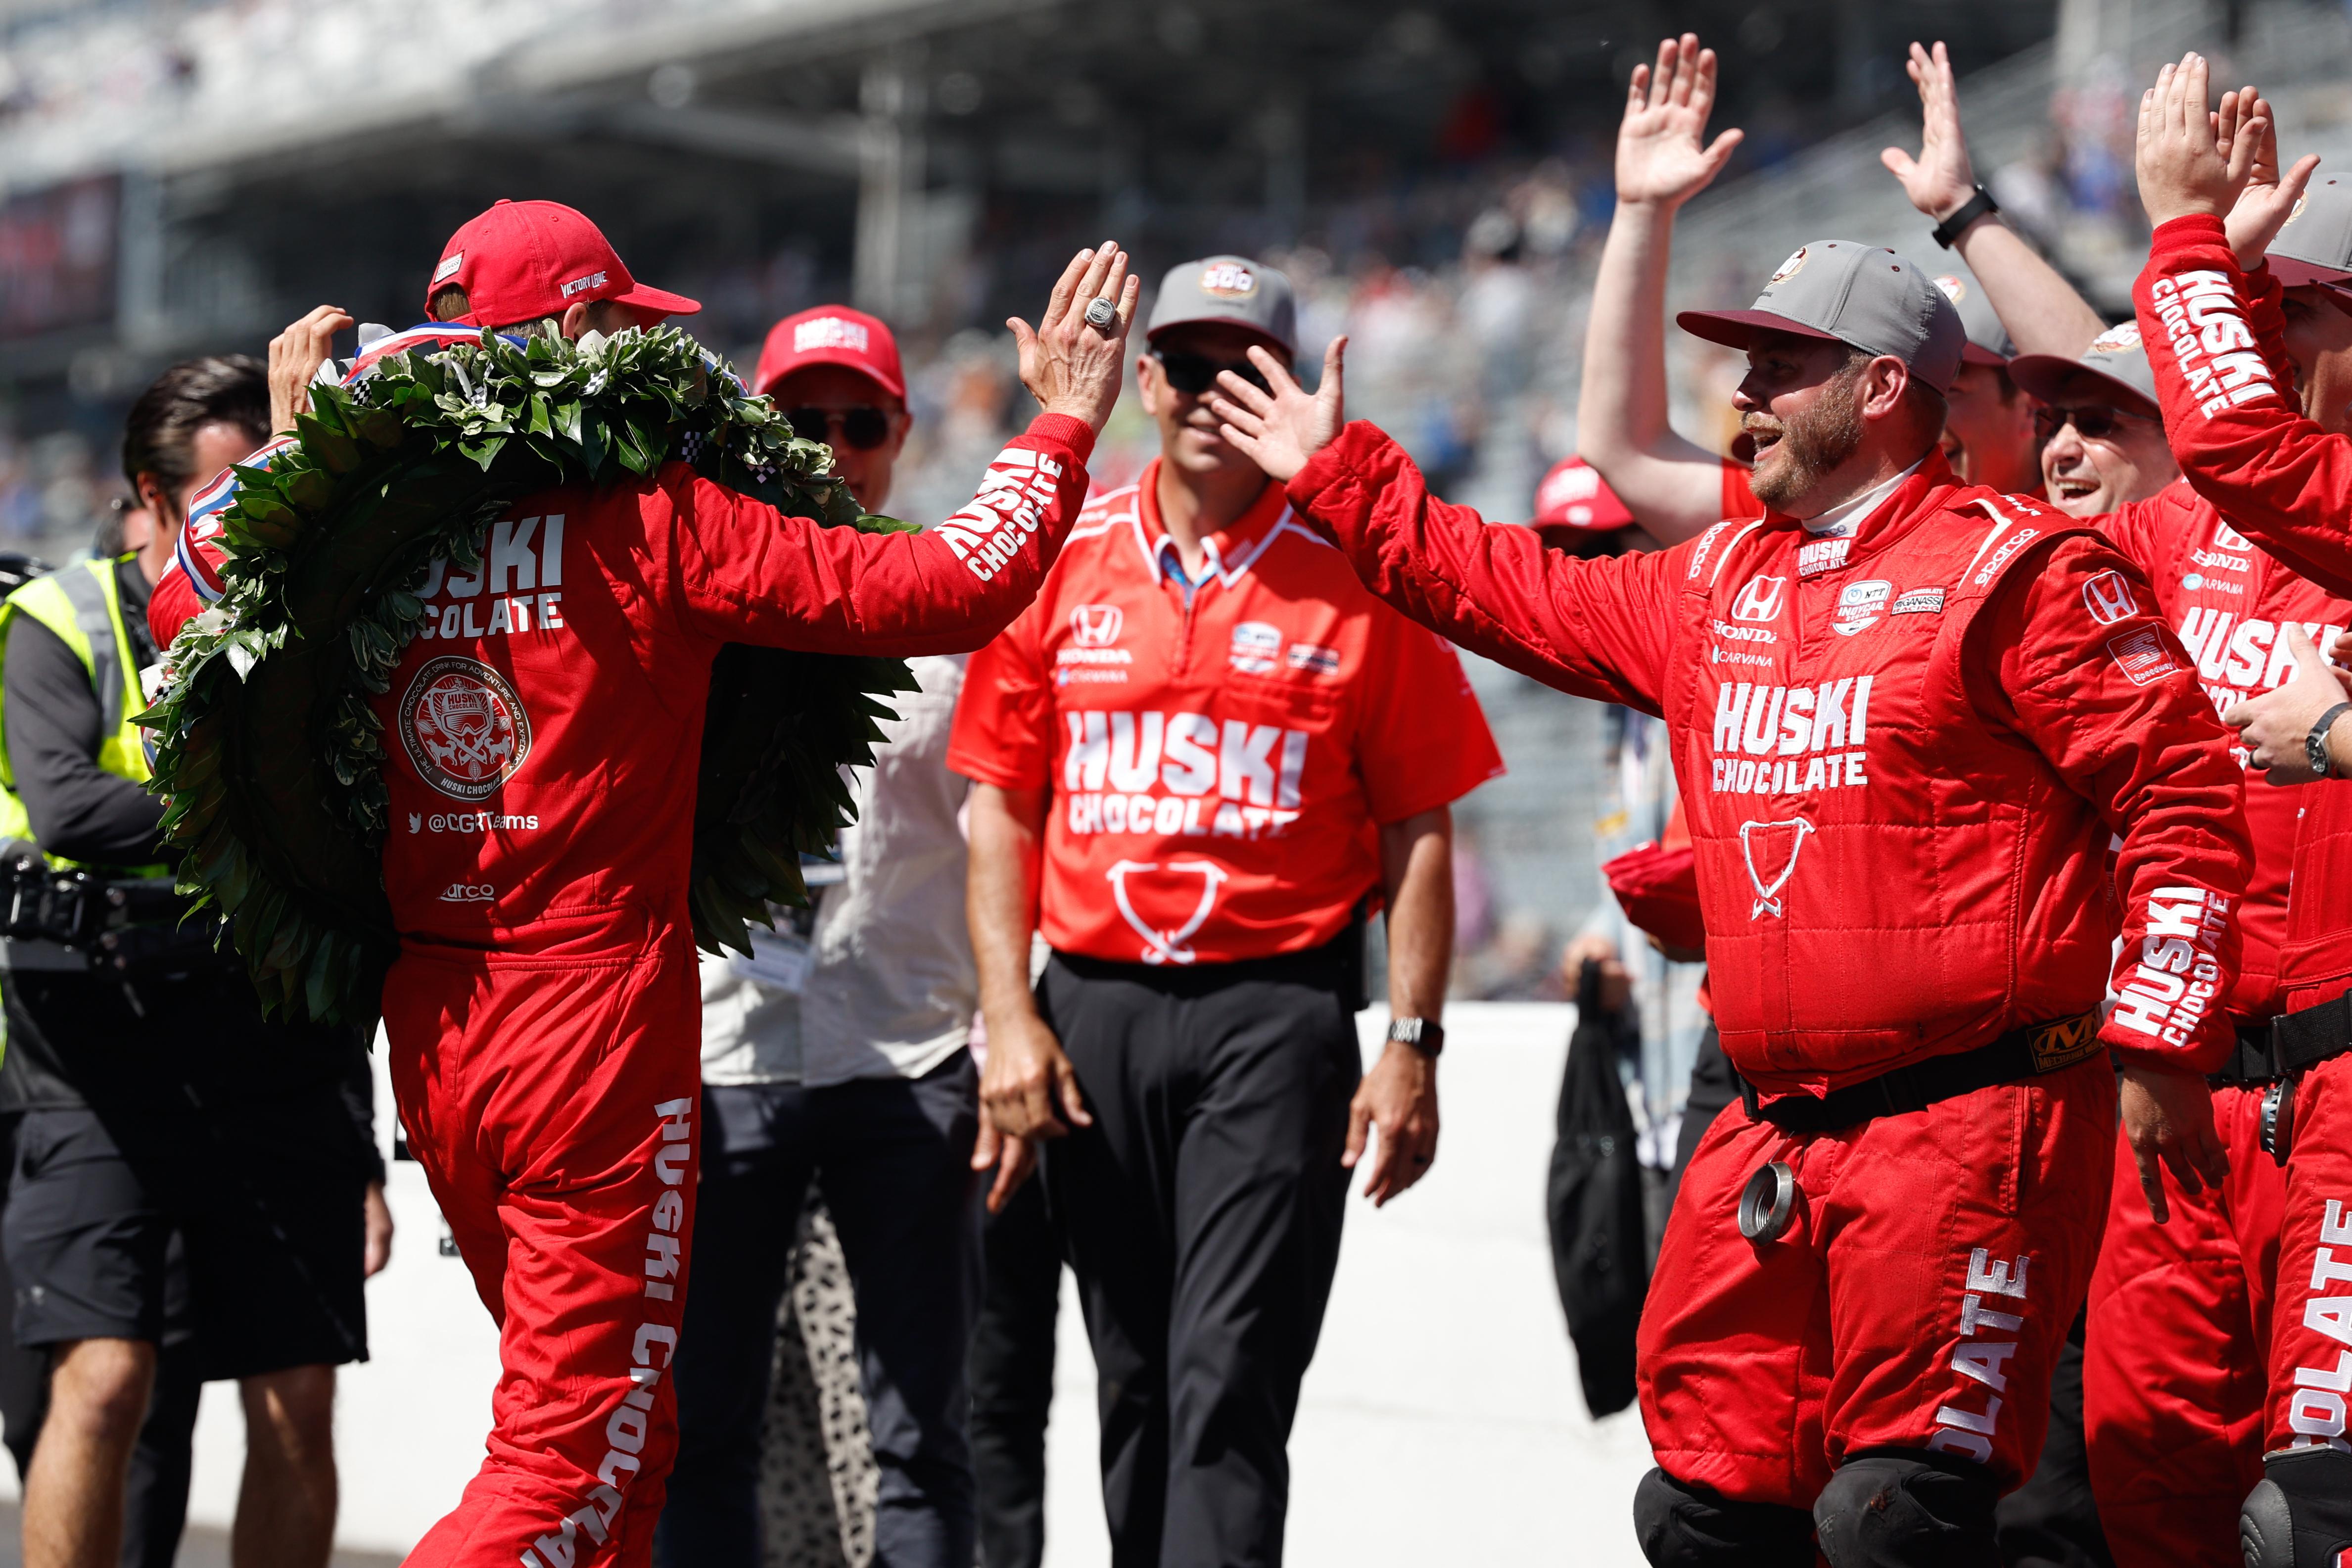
<point x="748" y="573"/>
<point x="1598" y="628"/>
<point x="2123" y="721"/>
<point x="171" y="607"/>
<point x="2213" y="339"/>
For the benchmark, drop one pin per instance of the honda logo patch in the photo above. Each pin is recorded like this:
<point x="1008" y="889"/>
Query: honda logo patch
<point x="2108" y="597"/>
<point x="1759" y="600"/>
<point x="1097" y="625"/>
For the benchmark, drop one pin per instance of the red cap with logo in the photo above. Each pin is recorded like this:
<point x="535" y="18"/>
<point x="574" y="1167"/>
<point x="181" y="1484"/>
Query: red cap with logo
<point x="831" y="335"/>
<point x="522" y="260"/>
<point x="1574" y="495"/>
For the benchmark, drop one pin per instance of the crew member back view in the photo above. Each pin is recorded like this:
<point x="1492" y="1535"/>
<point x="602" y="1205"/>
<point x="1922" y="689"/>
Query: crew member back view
<point x="543" y="1012"/>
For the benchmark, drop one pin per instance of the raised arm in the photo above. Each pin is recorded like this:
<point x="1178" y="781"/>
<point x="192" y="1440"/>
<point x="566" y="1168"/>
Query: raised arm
<point x="1598" y="628"/>
<point x="1673" y="486"/>
<point x="2043" y="314"/>
<point x="2240" y="434"/>
<point x="747" y="574"/>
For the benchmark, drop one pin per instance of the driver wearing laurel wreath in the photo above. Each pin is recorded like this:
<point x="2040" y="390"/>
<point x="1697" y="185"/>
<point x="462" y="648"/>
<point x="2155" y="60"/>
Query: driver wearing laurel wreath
<point x="538" y="734"/>
<point x="1910" y="713"/>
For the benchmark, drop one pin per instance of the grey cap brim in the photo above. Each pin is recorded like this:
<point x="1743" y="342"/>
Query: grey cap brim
<point x="2047" y="377"/>
<point x="1738" y="329"/>
<point x="2293" y="273"/>
<point x="1154" y="334"/>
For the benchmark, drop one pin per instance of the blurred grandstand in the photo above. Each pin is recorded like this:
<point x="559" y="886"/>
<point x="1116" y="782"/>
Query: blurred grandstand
<point x="186" y="175"/>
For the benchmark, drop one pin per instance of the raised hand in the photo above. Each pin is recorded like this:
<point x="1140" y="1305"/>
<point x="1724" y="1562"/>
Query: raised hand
<point x="1662" y="155"/>
<point x="1279" y="429"/>
<point x="1941" y="179"/>
<point x="1070" y="366"/>
<point x="295" y="356"/>
<point x="2268" y="200"/>
<point x="2185" y="166"/>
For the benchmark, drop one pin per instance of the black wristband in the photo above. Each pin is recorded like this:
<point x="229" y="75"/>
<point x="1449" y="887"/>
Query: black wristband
<point x="1981" y="204"/>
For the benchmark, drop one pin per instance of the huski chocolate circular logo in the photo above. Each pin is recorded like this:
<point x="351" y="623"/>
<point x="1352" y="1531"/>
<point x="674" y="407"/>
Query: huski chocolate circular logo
<point x="465" y="727"/>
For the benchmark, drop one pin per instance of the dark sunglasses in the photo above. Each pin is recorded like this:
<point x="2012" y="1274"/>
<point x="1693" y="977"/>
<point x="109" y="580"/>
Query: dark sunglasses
<point x="864" y="427"/>
<point x="1193" y="374"/>
<point x="2093" y="424"/>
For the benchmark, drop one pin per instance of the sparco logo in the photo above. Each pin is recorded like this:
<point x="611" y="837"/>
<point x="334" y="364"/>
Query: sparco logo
<point x="1759" y="600"/>
<point x="1097" y="625"/>
<point x="2108" y="597"/>
<point x="469" y="893"/>
<point x="464" y="727"/>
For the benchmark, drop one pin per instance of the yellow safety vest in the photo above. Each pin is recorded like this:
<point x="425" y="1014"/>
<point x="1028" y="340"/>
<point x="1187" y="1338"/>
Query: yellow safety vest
<point x="82" y="604"/>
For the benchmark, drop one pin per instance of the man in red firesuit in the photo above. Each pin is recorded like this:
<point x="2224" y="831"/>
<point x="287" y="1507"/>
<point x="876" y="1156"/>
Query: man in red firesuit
<point x="2180" y="1312"/>
<point x="543" y="1014"/>
<point x="1910" y="714"/>
<point x="2255" y="373"/>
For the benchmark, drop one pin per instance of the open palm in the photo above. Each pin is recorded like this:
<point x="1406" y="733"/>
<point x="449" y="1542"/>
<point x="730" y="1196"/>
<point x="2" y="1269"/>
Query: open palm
<point x="1662" y="152"/>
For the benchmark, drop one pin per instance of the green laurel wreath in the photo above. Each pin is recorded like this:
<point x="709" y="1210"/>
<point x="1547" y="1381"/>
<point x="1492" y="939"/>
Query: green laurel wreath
<point x="266" y="747"/>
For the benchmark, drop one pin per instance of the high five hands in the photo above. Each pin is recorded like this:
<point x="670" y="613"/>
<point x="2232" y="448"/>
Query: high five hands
<point x="1663" y="155"/>
<point x="2192" y="159"/>
<point x="1069" y="364"/>
<point x="1279" y="429"/>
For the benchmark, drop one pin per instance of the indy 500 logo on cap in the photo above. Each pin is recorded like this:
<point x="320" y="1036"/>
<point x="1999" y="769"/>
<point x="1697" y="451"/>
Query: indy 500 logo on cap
<point x="1228" y="280"/>
<point x="1953" y="288"/>
<point x="828" y="332"/>
<point x="1788" y="270"/>
<point x="464" y="727"/>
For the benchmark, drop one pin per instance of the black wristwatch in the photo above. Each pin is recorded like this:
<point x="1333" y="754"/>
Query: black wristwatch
<point x="1426" y="1035"/>
<point x="2315" y="745"/>
<point x="1981" y="204"/>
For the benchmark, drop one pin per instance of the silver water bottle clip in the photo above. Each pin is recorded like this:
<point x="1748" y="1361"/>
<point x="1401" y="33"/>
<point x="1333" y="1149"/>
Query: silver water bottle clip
<point x="1769" y="1202"/>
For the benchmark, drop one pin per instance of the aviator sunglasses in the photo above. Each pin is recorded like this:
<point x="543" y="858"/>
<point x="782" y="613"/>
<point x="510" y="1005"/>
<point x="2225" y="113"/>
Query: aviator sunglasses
<point x="2095" y="423"/>
<point x="862" y="427"/>
<point x="1193" y="374"/>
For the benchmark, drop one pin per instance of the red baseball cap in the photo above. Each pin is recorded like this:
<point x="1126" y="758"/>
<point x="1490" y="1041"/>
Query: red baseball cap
<point x="523" y="260"/>
<point x="1574" y="495"/>
<point x="831" y="335"/>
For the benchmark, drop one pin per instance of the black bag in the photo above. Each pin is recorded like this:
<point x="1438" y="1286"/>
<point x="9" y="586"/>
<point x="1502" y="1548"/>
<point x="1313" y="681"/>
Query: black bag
<point x="1599" y="1247"/>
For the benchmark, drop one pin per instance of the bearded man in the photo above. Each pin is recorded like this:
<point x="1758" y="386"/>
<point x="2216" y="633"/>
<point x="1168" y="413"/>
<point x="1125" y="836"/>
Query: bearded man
<point x="1910" y="713"/>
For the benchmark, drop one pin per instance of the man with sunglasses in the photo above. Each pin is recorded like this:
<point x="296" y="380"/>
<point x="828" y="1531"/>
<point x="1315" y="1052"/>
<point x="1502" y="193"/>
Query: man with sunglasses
<point x="837" y="1054"/>
<point x="1202" y="755"/>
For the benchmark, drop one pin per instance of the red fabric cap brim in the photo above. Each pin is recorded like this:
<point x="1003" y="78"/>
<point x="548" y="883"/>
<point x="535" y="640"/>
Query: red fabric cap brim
<point x="1972" y="354"/>
<point x="662" y="300"/>
<point x="847" y="358"/>
<point x="1738" y="329"/>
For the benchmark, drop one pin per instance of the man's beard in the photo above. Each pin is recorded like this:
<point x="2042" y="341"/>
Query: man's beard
<point x="1812" y="445"/>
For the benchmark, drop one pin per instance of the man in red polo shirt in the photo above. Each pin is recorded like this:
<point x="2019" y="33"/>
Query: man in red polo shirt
<point x="1202" y="754"/>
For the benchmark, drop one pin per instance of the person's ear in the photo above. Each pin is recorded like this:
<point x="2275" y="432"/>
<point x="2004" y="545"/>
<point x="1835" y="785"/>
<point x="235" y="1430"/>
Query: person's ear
<point x="1150" y="388"/>
<point x="573" y="323"/>
<point x="150" y="490"/>
<point x="1884" y="382"/>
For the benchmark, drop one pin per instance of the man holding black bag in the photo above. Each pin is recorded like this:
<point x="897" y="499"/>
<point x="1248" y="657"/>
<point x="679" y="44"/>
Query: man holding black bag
<point x="158" y="1106"/>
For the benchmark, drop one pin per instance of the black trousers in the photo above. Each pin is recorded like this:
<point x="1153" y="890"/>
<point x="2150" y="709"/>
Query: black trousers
<point x="1012" y="1373"/>
<point x="893" y="1158"/>
<point x="1201" y="1213"/>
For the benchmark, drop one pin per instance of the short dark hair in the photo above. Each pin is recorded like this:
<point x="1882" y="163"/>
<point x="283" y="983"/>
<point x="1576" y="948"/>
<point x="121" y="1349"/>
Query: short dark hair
<point x="448" y="304"/>
<point x="159" y="436"/>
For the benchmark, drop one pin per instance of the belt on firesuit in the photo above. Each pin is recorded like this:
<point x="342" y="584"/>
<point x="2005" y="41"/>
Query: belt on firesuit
<point x="2023" y="1053"/>
<point x="2300" y="1041"/>
<point x="2249" y="1064"/>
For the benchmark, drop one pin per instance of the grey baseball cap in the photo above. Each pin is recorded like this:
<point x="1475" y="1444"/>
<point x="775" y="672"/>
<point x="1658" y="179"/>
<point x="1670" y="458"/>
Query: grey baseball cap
<point x="1988" y="342"/>
<point x="1230" y="288"/>
<point x="2114" y="367"/>
<point x="1848" y="293"/>
<point x="2314" y="245"/>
